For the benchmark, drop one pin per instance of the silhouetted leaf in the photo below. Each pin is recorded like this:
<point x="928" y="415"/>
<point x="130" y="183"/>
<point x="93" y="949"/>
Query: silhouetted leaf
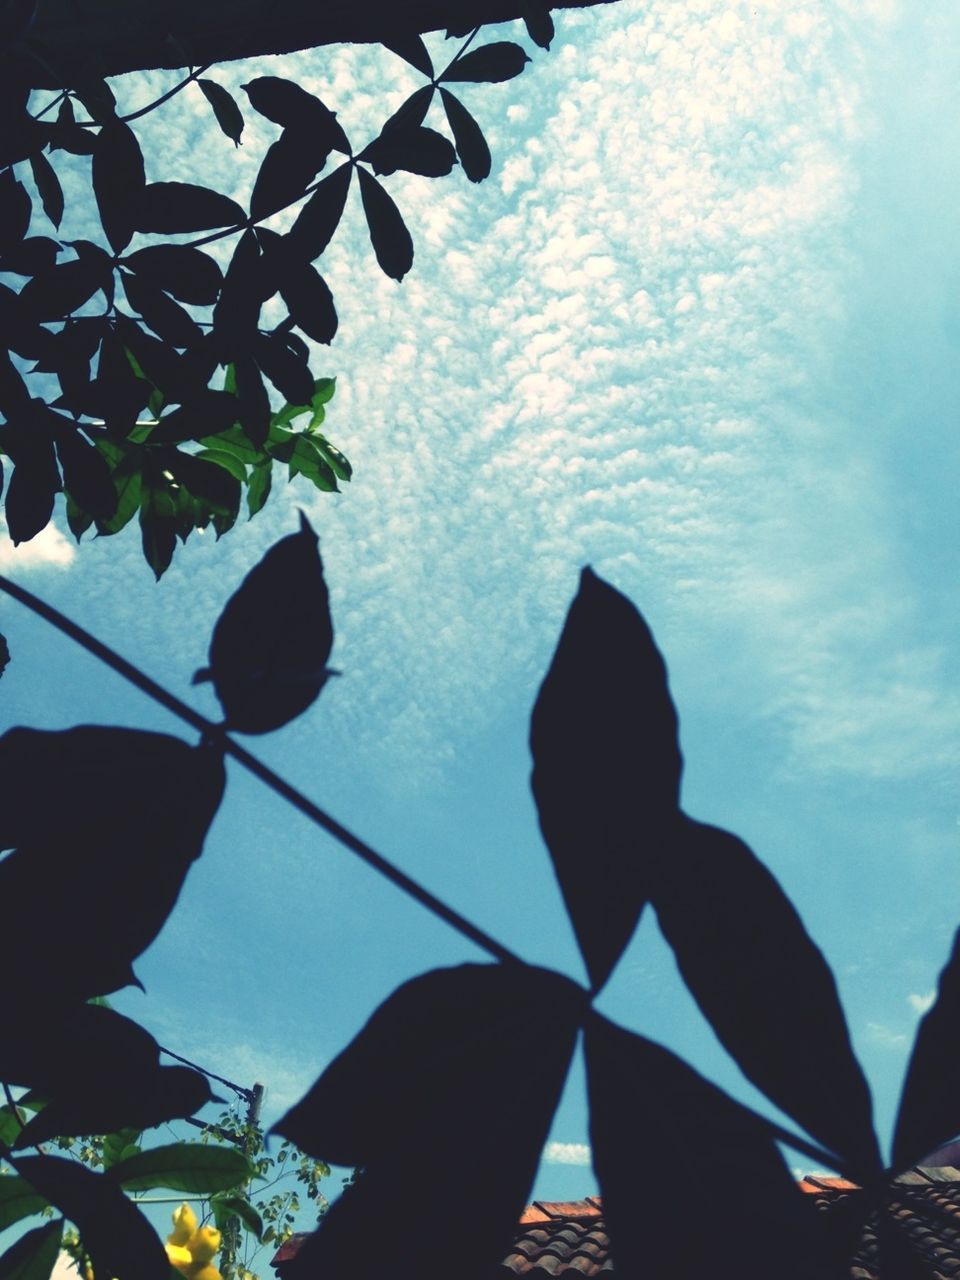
<point x="159" y="363"/>
<point x="14" y="396"/>
<point x="207" y="413"/>
<point x="539" y="23"/>
<point x="116" y="394"/>
<point x="320" y="216"/>
<point x="764" y="987"/>
<point x="606" y="767"/>
<point x="97" y="97"/>
<point x="310" y="304"/>
<point x="472" y="147"/>
<point x="411" y="48"/>
<point x="648" y="1112"/>
<point x="227" y="113"/>
<point x="15" y="210"/>
<point x="126" y="464"/>
<point x="288" y="373"/>
<point x="287" y="169"/>
<point x="70" y="803"/>
<point x="224" y="1207"/>
<point x="48" y="187"/>
<point x="929" y="1112"/>
<point x="471" y="1059"/>
<point x="185" y="272"/>
<point x="215" y="485"/>
<point x="413" y="149"/>
<point x="17" y="1200"/>
<point x="389" y="236"/>
<point x="164" y="316"/>
<point x="173" y="207"/>
<point x="54" y="294"/>
<point x="253" y="400"/>
<point x="258" y="486"/>
<point x="67" y="135"/>
<point x="31" y="256"/>
<point x="34" y="1255"/>
<point x="119" y="182"/>
<point x="4" y="647"/>
<point x="86" y="476"/>
<point x="120" y="1241"/>
<point x="237" y="314"/>
<point x="33" y="486"/>
<point x="158" y="522"/>
<point x="490" y="64"/>
<point x="411" y="113"/>
<point x="194" y="1168"/>
<point x="268" y="655"/>
<point x="292" y="107"/>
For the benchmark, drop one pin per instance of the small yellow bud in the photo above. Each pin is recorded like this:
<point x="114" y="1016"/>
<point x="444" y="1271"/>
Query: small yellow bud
<point x="184" y="1225"/>
<point x="203" y="1244"/>
<point x="179" y="1257"/>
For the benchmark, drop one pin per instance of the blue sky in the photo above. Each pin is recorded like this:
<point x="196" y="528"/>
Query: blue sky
<point x="699" y="330"/>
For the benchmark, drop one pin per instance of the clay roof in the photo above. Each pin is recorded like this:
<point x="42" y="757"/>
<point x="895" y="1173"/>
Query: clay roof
<point x="567" y="1240"/>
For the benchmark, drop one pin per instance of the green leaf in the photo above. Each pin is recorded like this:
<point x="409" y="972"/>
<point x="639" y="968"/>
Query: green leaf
<point x="128" y="479"/>
<point x="234" y="442"/>
<point x="259" y="485"/>
<point x="301" y="455"/>
<point x="10" y="1122"/>
<point x="34" y="1255"/>
<point x="194" y="1168"/>
<point x="227" y="113"/>
<point x="17" y="1199"/>
<point x="119" y="1146"/>
<point x="225" y="1207"/>
<point x="338" y="463"/>
<point x="229" y="461"/>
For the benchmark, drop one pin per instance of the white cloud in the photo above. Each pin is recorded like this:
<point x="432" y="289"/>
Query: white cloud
<point x="884" y="1037"/>
<point x="921" y="1004"/>
<point x="577" y="1153"/>
<point x="49" y="549"/>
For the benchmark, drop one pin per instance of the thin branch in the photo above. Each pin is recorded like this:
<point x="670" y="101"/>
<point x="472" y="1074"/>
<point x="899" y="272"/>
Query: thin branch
<point x="266" y="775"/>
<point x="246" y="1094"/>
<point x="165" y="97"/>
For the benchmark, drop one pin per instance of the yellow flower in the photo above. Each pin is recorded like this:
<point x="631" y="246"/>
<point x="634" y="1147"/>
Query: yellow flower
<point x="207" y="1272"/>
<point x="179" y="1257"/>
<point x="184" y="1225"/>
<point x="190" y="1248"/>
<point x="203" y="1244"/>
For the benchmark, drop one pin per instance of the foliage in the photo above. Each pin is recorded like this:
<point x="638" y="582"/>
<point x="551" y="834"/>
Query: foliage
<point x="118" y="410"/>
<point x="607" y="771"/>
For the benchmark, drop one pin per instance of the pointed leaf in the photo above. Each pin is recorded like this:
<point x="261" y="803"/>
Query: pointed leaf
<point x="164" y="316"/>
<point x="4" y="647"/>
<point x="539" y="23"/>
<point x="412" y="113"/>
<point x="195" y="1168"/>
<point x="929" y="1113"/>
<point x="411" y="48"/>
<point x="174" y="207"/>
<point x="269" y="651"/>
<point x="72" y="850"/>
<point x="48" y="187"/>
<point x="292" y="107"/>
<point x="311" y="306"/>
<point x="651" y="1115"/>
<point x="31" y="256"/>
<point x="287" y="169"/>
<point x="499" y="1035"/>
<point x="159" y="511"/>
<point x="118" y="182"/>
<point x="224" y="1207"/>
<point x="119" y="1239"/>
<point x="764" y="987"/>
<point x="54" y="294"/>
<point x="414" y="149"/>
<point x="320" y="216"/>
<point x="606" y="767"/>
<point x="187" y="273"/>
<point x="215" y="486"/>
<point x="206" y="414"/>
<point x="18" y="1200"/>
<point x="258" y="488"/>
<point x="86" y="476"/>
<point x="253" y="400"/>
<point x="288" y="373"/>
<point x="32" y="490"/>
<point x="490" y="64"/>
<point x="225" y="109"/>
<point x="389" y="236"/>
<point x="34" y="1255"/>
<point x="97" y="97"/>
<point x="15" y="210"/>
<point x="472" y="149"/>
<point x="237" y="314"/>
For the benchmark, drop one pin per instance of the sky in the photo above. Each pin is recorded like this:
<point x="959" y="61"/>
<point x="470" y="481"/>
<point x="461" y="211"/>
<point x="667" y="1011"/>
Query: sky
<point x="699" y="330"/>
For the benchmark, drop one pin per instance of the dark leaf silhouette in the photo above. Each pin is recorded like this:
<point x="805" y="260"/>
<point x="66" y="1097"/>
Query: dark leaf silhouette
<point x="606" y="767"/>
<point x="472" y="149"/>
<point x="225" y="109"/>
<point x="187" y="273"/>
<point x="118" y="182"/>
<point x="116" y="394"/>
<point x="164" y="316"/>
<point x="72" y="849"/>
<point x="389" y="236"/>
<point x="320" y="216"/>
<point x="287" y="104"/>
<point x="31" y="256"/>
<point x="33" y="486"/>
<point x="311" y="306"/>
<point x="4" y="647"/>
<point x="159" y="525"/>
<point x="120" y="1241"/>
<point x="539" y="23"/>
<point x="288" y="372"/>
<point x="411" y="48"/>
<point x="215" y="485"/>
<point x="158" y="361"/>
<point x="97" y="98"/>
<point x="412" y="148"/>
<point x="67" y="135"/>
<point x="48" y="187"/>
<point x="34" y="1255"/>
<point x="86" y="476"/>
<point x="765" y="987"/>
<point x="253" y="401"/>
<point x="174" y="207"/>
<point x="499" y="1037"/>
<point x="411" y="113"/>
<point x="55" y="293"/>
<point x="208" y="413"/>
<point x="237" y="314"/>
<point x="929" y="1113"/>
<point x="268" y="655"/>
<point x="112" y="1045"/>
<point x="286" y="171"/>
<point x="648" y="1111"/>
<point x="15" y="210"/>
<point x="14" y="396"/>
<point x="17" y="1198"/>
<point x="490" y="64"/>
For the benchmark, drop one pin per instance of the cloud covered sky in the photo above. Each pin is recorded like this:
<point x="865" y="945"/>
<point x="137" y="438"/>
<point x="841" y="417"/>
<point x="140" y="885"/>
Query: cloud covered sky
<point x="699" y="330"/>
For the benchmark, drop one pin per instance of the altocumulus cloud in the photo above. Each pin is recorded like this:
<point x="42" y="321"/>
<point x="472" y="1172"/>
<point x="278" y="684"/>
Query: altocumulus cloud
<point x="577" y="1153"/>
<point x="49" y="549"/>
